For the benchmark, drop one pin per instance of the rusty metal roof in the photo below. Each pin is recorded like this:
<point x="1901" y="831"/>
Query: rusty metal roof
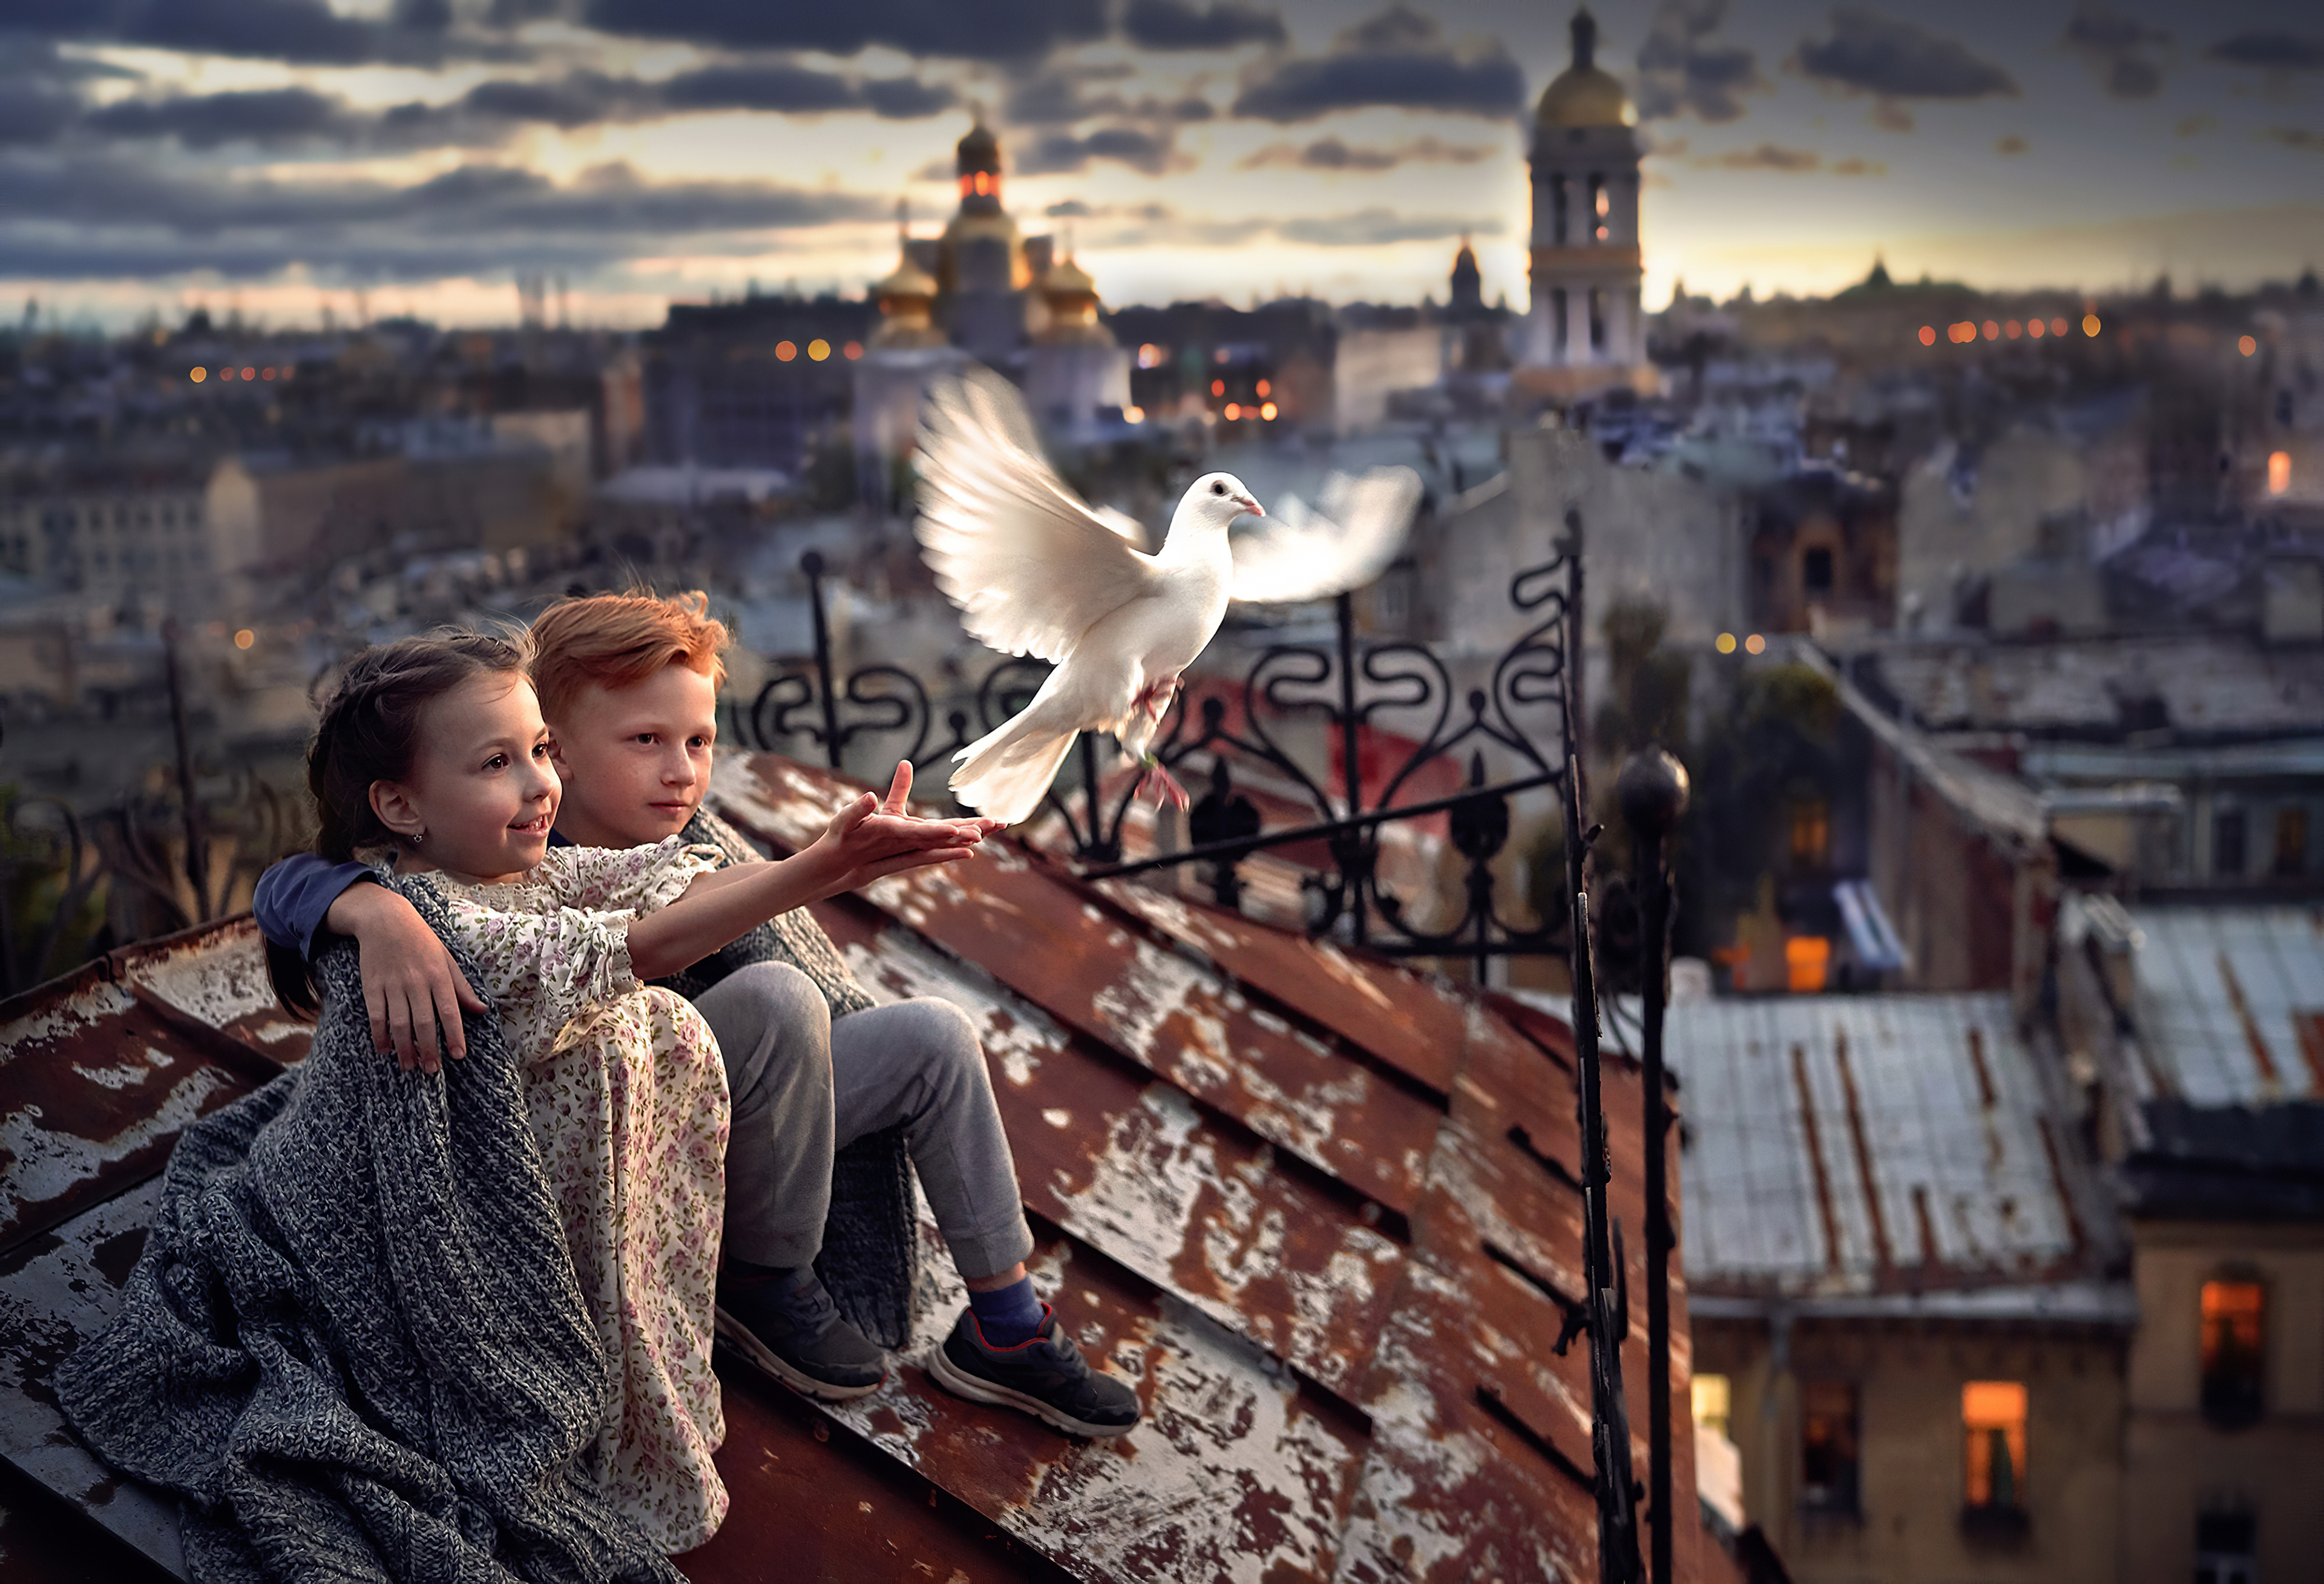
<point x="1319" y="1207"/>
<point x="1858" y="1147"/>
<point x="2230" y="1002"/>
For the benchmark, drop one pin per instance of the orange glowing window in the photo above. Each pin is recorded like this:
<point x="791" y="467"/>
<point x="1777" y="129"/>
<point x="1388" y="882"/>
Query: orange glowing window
<point x="1807" y="962"/>
<point x="266" y="373"/>
<point x="852" y="351"/>
<point x="2057" y="327"/>
<point x="2234" y="1348"/>
<point x="1264" y="390"/>
<point x="1267" y="412"/>
<point x="1928" y="334"/>
<point x="819" y="349"/>
<point x="199" y="375"/>
<point x="2013" y="329"/>
<point x="250" y="373"/>
<point x="2279" y="471"/>
<point x="1811" y="833"/>
<point x="2247" y="345"/>
<point x="785" y="352"/>
<point x="2035" y="328"/>
<point x="1218" y="387"/>
<point x="2090" y="326"/>
<point x="1992" y="331"/>
<point x="1234" y="411"/>
<point x="1993" y="1437"/>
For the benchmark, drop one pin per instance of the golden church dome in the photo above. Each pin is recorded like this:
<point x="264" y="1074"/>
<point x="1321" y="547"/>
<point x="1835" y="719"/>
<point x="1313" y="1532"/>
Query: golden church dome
<point x="1068" y="279"/>
<point x="908" y="281"/>
<point x="1582" y="95"/>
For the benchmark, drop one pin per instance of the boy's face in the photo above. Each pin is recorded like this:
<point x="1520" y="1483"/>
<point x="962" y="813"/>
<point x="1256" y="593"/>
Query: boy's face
<point x="635" y="761"/>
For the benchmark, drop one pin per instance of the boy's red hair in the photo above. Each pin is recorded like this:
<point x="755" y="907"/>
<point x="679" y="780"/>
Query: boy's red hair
<point x="618" y="640"/>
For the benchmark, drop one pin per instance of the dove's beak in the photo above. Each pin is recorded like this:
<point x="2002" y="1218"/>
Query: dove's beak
<point x="1250" y="506"/>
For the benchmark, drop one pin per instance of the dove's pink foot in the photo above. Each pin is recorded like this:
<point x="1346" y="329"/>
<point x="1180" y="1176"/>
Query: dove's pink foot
<point x="1155" y="698"/>
<point x="1163" y="785"/>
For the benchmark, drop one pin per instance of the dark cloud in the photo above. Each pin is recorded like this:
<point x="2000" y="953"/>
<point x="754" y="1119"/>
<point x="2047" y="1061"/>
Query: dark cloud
<point x="104" y="216"/>
<point x="1062" y="152"/>
<point x="2272" y="51"/>
<point x="2117" y="48"/>
<point x="1766" y="157"/>
<point x="1683" y="68"/>
<point x="304" y="33"/>
<point x="1788" y="162"/>
<point x="1179" y="24"/>
<point x="1399" y="57"/>
<point x="205" y="121"/>
<point x="1331" y="153"/>
<point x="989" y="30"/>
<point x="485" y="116"/>
<point x="1893" y="60"/>
<point x="1059" y="96"/>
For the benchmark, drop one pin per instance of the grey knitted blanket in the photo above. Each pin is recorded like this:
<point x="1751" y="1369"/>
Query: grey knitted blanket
<point x="353" y="1344"/>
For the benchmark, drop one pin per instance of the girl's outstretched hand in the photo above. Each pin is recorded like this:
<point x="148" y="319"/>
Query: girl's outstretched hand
<point x="875" y="836"/>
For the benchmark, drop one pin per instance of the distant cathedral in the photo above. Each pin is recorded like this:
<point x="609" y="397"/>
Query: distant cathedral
<point x="1585" y="331"/>
<point x="982" y="292"/>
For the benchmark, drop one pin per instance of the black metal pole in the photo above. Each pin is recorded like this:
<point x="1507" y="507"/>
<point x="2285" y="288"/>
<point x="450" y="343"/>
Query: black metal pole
<point x="1618" y="1544"/>
<point x="812" y="565"/>
<point x="189" y="811"/>
<point x="1653" y="791"/>
<point x="1351" y="777"/>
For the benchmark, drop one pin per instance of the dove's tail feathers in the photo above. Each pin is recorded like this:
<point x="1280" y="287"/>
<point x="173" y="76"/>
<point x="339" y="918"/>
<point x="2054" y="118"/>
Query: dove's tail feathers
<point x="1005" y="774"/>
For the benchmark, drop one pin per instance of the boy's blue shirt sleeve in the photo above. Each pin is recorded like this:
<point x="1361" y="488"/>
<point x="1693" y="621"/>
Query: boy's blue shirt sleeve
<point x="294" y="896"/>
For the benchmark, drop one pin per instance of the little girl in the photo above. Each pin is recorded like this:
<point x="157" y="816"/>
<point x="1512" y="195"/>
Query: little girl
<point x="433" y="749"/>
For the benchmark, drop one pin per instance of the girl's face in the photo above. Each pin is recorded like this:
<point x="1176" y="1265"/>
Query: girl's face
<point x="481" y="794"/>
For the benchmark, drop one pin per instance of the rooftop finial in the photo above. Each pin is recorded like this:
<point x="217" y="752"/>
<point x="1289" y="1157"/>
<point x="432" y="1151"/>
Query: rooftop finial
<point x="1585" y="40"/>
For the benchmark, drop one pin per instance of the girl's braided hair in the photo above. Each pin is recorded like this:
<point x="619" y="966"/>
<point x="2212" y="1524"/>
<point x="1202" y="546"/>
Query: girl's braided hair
<point x="369" y="731"/>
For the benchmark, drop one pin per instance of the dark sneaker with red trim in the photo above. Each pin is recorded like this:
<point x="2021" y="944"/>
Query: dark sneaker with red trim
<point x="791" y="1328"/>
<point x="1046" y="1377"/>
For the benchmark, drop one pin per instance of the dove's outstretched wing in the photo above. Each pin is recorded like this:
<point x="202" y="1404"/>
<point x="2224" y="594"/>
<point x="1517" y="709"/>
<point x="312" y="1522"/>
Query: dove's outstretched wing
<point x="1358" y="529"/>
<point x="1030" y="566"/>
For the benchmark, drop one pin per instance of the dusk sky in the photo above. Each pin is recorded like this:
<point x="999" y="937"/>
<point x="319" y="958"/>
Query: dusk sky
<point x="277" y="155"/>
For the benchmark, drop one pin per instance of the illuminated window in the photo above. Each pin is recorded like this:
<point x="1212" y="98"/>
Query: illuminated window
<point x="1218" y="387"/>
<point x="2057" y="327"/>
<point x="2248" y="346"/>
<point x="2279" y="471"/>
<point x="1150" y="356"/>
<point x="1992" y="331"/>
<point x="2013" y="329"/>
<point x="2234" y="1345"/>
<point x="1928" y="334"/>
<point x="2035" y="327"/>
<point x="1807" y="964"/>
<point x="2090" y="326"/>
<point x="2290" y="841"/>
<point x="1811" y="833"/>
<point x="1993" y="1437"/>
<point x="1828" y="1456"/>
<point x="784" y="351"/>
<point x="1714" y="1401"/>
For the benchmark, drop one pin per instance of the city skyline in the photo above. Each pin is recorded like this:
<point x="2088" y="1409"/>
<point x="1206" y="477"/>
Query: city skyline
<point x="282" y="156"/>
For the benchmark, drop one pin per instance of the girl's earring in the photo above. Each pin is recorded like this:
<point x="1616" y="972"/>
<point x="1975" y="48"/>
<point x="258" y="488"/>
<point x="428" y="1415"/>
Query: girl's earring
<point x="419" y="836"/>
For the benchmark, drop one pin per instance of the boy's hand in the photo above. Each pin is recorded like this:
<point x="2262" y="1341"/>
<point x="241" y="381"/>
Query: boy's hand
<point x="410" y="983"/>
<point x="874" y="837"/>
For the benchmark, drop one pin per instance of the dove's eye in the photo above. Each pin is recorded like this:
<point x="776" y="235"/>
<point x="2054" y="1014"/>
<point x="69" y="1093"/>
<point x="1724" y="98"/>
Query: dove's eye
<point x="1217" y="488"/>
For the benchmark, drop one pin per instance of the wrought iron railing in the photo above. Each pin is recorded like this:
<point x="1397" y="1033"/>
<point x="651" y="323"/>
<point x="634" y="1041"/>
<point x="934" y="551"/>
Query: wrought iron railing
<point x="177" y="848"/>
<point x="1348" y="685"/>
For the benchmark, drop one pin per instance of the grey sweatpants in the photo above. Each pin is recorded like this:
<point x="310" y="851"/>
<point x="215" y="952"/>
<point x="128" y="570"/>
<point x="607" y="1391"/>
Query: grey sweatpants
<point x="803" y="1086"/>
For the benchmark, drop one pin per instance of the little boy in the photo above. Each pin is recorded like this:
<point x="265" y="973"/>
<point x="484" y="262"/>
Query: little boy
<point x="629" y="688"/>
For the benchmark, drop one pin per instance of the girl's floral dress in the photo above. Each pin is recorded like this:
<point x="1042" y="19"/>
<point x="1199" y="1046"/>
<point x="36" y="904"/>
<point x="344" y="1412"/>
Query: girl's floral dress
<point x="628" y="1101"/>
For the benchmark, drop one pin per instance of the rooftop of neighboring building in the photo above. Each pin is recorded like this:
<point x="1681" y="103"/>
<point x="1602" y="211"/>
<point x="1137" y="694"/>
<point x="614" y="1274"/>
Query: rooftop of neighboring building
<point x="1896" y="1154"/>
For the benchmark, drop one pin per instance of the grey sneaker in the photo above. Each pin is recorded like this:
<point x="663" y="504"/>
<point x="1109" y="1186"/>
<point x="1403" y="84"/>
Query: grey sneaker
<point x="791" y="1329"/>
<point x="1046" y="1377"/>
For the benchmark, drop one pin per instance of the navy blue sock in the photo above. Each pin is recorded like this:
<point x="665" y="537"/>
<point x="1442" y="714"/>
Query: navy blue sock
<point x="1008" y="1315"/>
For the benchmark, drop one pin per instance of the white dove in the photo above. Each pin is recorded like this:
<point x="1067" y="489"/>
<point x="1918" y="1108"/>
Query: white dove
<point x="1036" y="571"/>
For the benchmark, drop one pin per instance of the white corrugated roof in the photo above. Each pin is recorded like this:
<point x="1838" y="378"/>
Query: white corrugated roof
<point x="2230" y="1001"/>
<point x="1854" y="1144"/>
